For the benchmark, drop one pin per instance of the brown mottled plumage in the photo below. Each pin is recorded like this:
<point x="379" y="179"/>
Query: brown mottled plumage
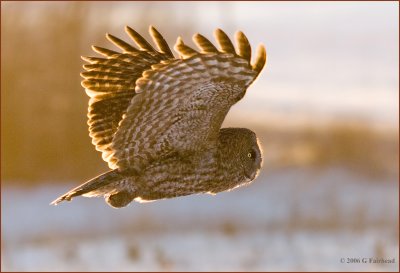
<point x="157" y="120"/>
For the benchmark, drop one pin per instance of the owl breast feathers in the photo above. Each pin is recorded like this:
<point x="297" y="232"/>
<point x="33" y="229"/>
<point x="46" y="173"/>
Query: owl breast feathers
<point x="157" y="119"/>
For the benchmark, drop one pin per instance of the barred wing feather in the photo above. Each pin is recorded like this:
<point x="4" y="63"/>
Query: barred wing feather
<point x="180" y="104"/>
<point x="110" y="83"/>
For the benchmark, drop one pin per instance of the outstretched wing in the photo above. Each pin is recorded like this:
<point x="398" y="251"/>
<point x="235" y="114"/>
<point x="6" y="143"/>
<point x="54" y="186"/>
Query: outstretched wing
<point x="180" y="104"/>
<point x="110" y="82"/>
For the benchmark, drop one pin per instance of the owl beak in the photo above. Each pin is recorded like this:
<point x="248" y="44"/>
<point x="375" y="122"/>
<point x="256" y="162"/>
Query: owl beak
<point x="249" y="175"/>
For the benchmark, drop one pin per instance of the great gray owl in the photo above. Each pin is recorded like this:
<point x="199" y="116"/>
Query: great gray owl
<point x="156" y="119"/>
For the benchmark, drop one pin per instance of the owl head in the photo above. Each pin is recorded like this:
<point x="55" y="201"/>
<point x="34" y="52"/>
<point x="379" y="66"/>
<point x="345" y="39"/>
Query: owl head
<point x="242" y="150"/>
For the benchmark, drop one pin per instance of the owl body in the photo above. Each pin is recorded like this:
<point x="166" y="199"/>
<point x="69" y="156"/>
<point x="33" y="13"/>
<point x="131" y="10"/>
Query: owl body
<point x="157" y="120"/>
<point x="210" y="171"/>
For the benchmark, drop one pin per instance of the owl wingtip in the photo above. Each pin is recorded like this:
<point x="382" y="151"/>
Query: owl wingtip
<point x="179" y="40"/>
<point x="178" y="43"/>
<point x="109" y="36"/>
<point x="261" y="58"/>
<point x="239" y="35"/>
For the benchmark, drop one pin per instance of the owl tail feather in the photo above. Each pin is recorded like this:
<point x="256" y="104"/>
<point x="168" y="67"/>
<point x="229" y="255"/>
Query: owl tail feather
<point x="103" y="184"/>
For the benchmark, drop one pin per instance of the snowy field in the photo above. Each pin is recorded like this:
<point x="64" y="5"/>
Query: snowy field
<point x="286" y="221"/>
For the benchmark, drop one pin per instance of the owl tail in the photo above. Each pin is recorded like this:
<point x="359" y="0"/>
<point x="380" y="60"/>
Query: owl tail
<point x="105" y="184"/>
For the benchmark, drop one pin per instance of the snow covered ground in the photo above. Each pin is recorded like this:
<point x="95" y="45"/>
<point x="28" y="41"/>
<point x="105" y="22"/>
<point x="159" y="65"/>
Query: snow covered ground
<point x="288" y="220"/>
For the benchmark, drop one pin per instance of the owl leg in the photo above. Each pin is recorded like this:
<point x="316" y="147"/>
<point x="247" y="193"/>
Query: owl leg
<point x="119" y="199"/>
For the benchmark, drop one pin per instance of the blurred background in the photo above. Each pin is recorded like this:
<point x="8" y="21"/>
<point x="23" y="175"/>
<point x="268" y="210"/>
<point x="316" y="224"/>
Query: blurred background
<point x="325" y="109"/>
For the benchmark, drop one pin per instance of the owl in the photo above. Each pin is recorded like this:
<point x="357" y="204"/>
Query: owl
<point x="157" y="119"/>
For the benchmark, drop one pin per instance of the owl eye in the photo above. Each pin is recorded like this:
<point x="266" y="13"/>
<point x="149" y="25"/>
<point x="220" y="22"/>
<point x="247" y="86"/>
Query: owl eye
<point x="252" y="154"/>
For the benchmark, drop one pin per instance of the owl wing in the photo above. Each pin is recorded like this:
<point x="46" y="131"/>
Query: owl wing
<point x="180" y="104"/>
<point x="110" y="84"/>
